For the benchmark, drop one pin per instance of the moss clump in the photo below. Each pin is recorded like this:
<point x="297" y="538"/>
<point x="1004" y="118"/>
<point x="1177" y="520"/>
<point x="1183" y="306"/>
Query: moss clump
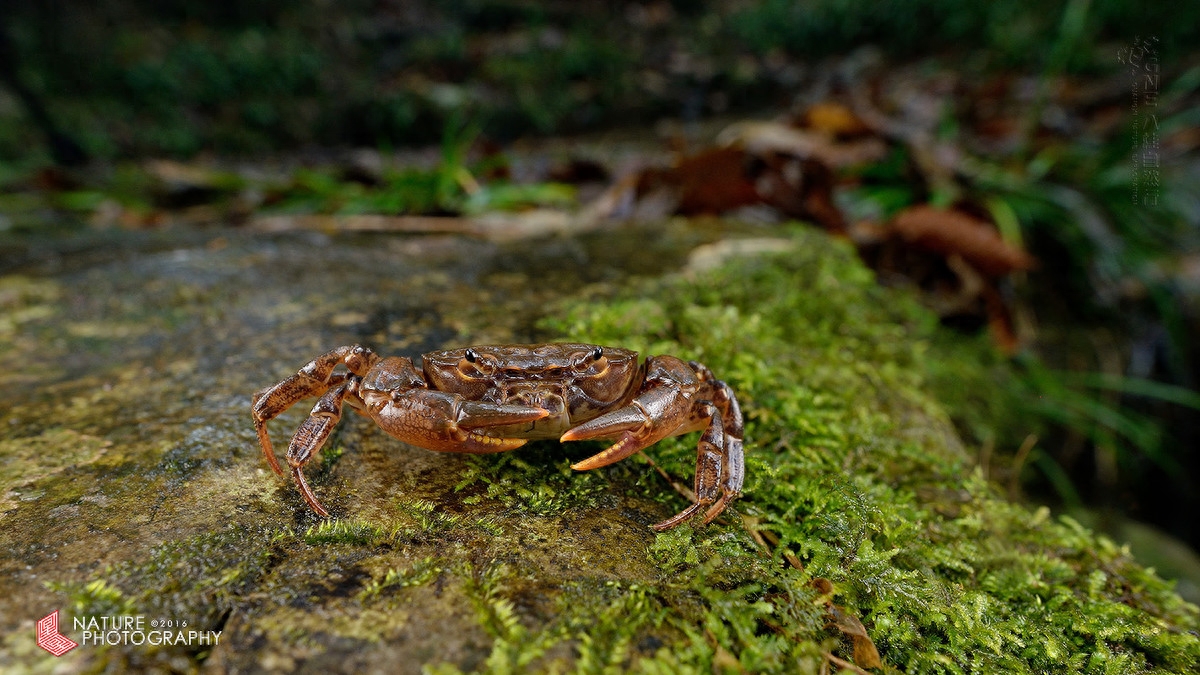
<point x="853" y="468"/>
<point x="95" y="598"/>
<point x="353" y="532"/>
<point x="540" y="482"/>
<point x="195" y="582"/>
<point x="422" y="572"/>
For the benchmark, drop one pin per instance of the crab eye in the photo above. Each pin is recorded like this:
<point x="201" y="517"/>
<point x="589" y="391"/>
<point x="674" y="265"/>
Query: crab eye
<point x="592" y="362"/>
<point x="474" y="365"/>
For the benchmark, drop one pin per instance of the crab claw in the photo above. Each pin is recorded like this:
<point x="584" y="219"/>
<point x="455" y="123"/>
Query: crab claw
<point x="677" y="398"/>
<point x="631" y="425"/>
<point x="478" y="415"/>
<point x="661" y="410"/>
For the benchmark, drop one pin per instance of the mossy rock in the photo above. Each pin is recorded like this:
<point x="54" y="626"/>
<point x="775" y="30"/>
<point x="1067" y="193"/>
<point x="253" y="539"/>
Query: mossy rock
<point x="861" y="504"/>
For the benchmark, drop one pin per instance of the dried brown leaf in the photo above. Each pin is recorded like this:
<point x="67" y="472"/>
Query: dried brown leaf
<point x="1000" y="321"/>
<point x="950" y="233"/>
<point x="712" y="181"/>
<point x="865" y="653"/>
<point x="762" y="138"/>
<point x="822" y="586"/>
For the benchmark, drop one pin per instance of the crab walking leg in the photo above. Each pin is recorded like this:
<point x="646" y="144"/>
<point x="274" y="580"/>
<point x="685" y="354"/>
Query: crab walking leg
<point x="314" y="379"/>
<point x="733" y="467"/>
<point x="271" y="402"/>
<point x="733" y="470"/>
<point x="312" y="434"/>
<point x="710" y="465"/>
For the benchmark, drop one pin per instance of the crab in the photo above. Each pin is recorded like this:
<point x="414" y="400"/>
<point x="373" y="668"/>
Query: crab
<point x="494" y="398"/>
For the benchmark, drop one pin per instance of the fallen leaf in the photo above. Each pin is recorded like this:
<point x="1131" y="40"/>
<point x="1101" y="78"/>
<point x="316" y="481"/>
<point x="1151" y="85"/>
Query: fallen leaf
<point x="865" y="653"/>
<point x="801" y="189"/>
<point x="834" y="119"/>
<point x="712" y="181"/>
<point x="947" y="233"/>
<point x="761" y="138"/>
<point x="1000" y="321"/>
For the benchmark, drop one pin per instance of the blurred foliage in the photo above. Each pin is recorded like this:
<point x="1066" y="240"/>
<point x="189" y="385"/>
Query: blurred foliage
<point x="1110" y="320"/>
<point x="1118" y="316"/>
<point x="1005" y="34"/>
<point x="131" y="77"/>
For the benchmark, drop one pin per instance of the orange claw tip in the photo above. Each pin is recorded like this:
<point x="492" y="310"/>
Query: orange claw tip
<point x="594" y="462"/>
<point x="480" y="444"/>
<point x="571" y="435"/>
<point x="610" y="455"/>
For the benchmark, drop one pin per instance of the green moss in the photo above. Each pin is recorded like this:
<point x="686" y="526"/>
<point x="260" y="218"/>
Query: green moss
<point x="95" y="598"/>
<point x="426" y="516"/>
<point x="537" y="482"/>
<point x="194" y="582"/>
<point x="198" y="577"/>
<point x="26" y="460"/>
<point x="354" y="532"/>
<point x="422" y="572"/>
<point x="855" y="469"/>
